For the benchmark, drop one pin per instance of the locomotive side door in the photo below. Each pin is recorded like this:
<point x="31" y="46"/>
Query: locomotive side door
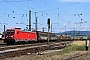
<point x="17" y="35"/>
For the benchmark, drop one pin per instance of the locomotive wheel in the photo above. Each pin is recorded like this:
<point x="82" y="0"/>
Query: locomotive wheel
<point x="10" y="42"/>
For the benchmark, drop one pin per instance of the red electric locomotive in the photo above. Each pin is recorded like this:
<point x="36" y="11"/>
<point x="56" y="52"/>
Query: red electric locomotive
<point x="16" y="35"/>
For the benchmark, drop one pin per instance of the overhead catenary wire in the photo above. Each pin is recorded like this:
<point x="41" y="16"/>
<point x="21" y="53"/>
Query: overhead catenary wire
<point x="45" y="11"/>
<point x="58" y="7"/>
<point x="45" y="3"/>
<point x="86" y="8"/>
<point x="54" y="8"/>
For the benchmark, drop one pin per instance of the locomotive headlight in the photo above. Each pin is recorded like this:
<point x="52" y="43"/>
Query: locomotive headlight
<point x="6" y="36"/>
<point x="12" y="36"/>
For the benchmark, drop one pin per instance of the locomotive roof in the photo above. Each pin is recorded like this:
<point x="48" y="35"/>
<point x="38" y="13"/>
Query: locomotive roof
<point x="13" y="28"/>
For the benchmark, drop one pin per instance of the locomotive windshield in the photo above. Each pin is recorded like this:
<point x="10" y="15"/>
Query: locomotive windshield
<point x="10" y="31"/>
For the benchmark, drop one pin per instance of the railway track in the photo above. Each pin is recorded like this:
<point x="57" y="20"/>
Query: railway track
<point x="10" y="51"/>
<point x="17" y="46"/>
<point x="5" y="47"/>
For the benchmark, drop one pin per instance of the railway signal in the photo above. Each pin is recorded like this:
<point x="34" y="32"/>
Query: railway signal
<point x="48" y="22"/>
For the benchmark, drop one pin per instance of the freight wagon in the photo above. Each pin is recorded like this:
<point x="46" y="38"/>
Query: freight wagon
<point x="43" y="36"/>
<point x="63" y="37"/>
<point x="16" y="35"/>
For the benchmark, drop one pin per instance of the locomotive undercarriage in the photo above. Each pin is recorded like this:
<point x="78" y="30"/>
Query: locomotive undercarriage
<point x="9" y="41"/>
<point x="13" y="41"/>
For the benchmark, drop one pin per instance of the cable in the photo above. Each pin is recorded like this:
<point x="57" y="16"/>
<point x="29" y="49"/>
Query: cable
<point x="13" y="0"/>
<point x="18" y="6"/>
<point x="46" y="3"/>
<point x="86" y="8"/>
<point x="87" y="12"/>
<point x="25" y="5"/>
<point x="42" y="12"/>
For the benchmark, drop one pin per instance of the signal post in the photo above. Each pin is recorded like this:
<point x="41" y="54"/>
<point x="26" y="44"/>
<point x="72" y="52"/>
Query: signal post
<point x="48" y="22"/>
<point x="87" y="45"/>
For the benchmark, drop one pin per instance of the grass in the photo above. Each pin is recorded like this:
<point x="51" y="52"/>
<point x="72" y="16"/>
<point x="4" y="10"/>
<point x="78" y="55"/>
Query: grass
<point x="74" y="48"/>
<point x="70" y="49"/>
<point x="77" y="46"/>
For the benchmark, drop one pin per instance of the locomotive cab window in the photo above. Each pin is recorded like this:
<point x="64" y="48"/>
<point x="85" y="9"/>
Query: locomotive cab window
<point x="17" y="32"/>
<point x="10" y="31"/>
